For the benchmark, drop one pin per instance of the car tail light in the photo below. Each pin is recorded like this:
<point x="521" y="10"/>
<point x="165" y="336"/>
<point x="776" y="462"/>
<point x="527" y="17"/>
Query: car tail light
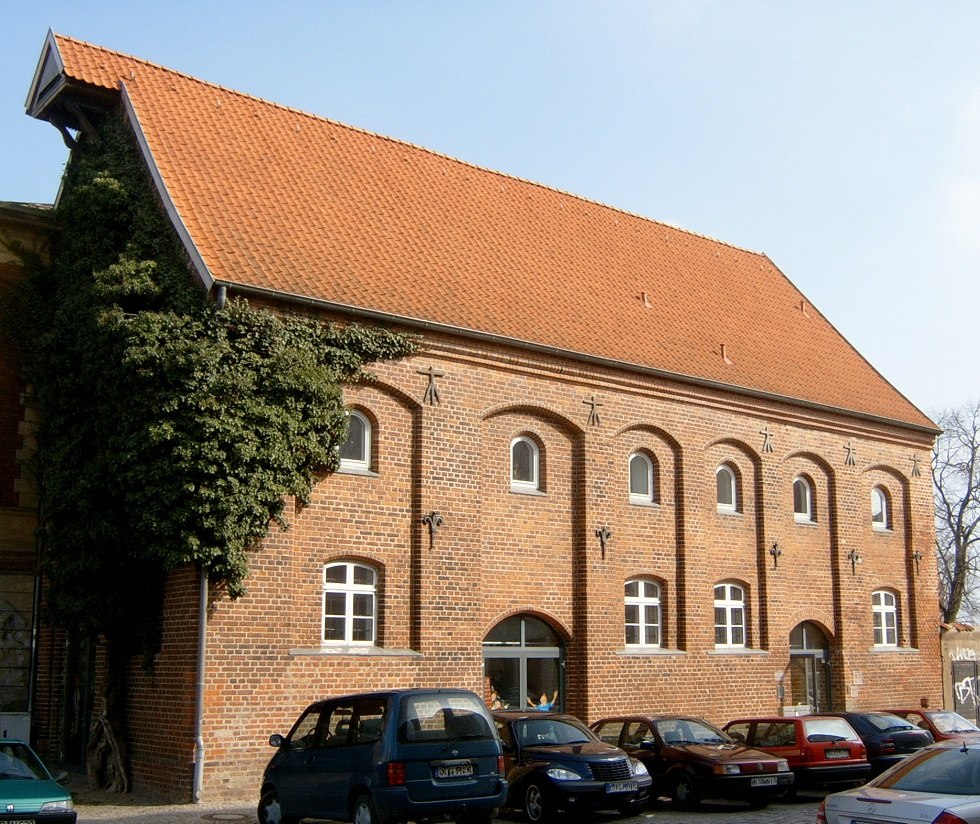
<point x="807" y="754"/>
<point x="500" y="765"/>
<point x="822" y="812"/>
<point x="886" y="745"/>
<point x="948" y="818"/>
<point x="396" y="773"/>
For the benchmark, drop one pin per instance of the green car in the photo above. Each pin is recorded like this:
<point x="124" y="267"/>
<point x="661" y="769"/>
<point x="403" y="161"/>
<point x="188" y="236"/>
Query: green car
<point x="28" y="793"/>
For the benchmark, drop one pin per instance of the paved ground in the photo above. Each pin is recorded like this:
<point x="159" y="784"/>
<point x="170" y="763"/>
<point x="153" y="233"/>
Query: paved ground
<point x="131" y="809"/>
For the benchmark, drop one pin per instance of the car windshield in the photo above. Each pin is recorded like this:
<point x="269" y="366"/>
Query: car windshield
<point x="946" y="771"/>
<point x="18" y="761"/>
<point x="442" y="717"/>
<point x="949" y="721"/>
<point x="676" y="731"/>
<point x="828" y="729"/>
<point x="544" y="732"/>
<point x="886" y="722"/>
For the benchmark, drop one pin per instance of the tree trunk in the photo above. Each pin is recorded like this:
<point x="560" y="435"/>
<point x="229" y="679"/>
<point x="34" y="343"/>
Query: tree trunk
<point x="106" y="754"/>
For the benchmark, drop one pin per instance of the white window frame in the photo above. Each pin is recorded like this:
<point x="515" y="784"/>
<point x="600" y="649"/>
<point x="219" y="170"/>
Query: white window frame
<point x="649" y="616"/>
<point x="362" y="464"/>
<point x="806" y="515"/>
<point x="729" y="605"/>
<point x="884" y="611"/>
<point x="521" y="484"/>
<point x="642" y="497"/>
<point x="881" y="510"/>
<point x="351" y="591"/>
<point x="726" y="471"/>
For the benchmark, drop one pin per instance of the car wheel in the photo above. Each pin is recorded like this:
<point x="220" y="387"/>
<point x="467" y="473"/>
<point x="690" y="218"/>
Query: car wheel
<point x="684" y="791"/>
<point x="538" y="806"/>
<point x="270" y="810"/>
<point x="365" y="811"/>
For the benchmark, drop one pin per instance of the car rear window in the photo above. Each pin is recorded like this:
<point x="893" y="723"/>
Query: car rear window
<point x="443" y="717"/>
<point x="952" y="771"/>
<point x="829" y="729"/>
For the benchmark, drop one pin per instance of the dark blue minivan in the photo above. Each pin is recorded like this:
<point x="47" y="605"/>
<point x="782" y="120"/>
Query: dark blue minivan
<point x="387" y="756"/>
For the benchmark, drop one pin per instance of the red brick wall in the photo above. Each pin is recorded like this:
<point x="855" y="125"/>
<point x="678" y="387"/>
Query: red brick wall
<point x="499" y="553"/>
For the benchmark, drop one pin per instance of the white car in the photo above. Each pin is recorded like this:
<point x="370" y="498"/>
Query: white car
<point x="939" y="784"/>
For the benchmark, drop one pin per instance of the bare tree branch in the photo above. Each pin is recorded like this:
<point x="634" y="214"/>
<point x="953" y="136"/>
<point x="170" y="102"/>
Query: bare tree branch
<point x="956" y="483"/>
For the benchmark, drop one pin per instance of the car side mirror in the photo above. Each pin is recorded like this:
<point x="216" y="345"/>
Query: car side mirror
<point x="506" y="747"/>
<point x="648" y="745"/>
<point x="737" y="736"/>
<point x="277" y="740"/>
<point x="60" y="776"/>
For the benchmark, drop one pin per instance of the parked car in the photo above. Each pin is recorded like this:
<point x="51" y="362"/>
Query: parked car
<point x="690" y="759"/>
<point x="387" y="756"/>
<point x="822" y="751"/>
<point x="939" y="784"/>
<point x="887" y="737"/>
<point x="28" y="791"/>
<point x="942" y="724"/>
<point x="555" y="762"/>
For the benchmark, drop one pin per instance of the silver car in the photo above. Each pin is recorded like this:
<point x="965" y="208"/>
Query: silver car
<point x="939" y="784"/>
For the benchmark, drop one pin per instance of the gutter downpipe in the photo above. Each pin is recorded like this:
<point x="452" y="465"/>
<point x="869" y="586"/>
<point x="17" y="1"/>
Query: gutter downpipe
<point x="202" y="627"/>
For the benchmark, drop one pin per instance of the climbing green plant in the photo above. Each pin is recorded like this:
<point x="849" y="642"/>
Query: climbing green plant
<point x="171" y="431"/>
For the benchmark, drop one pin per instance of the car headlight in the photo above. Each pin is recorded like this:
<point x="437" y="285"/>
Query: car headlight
<point x="62" y="806"/>
<point x="782" y="765"/>
<point x="561" y="774"/>
<point x="726" y="769"/>
<point x="639" y="768"/>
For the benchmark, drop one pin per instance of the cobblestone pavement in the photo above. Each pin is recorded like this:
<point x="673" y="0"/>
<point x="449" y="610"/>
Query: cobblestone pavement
<point x="134" y="810"/>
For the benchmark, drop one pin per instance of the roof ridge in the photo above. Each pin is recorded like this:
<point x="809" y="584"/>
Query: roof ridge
<point x="411" y="145"/>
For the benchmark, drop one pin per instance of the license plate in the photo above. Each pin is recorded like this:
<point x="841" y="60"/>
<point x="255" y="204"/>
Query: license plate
<point x="765" y="781"/>
<point x="837" y="753"/>
<point x="622" y="787"/>
<point x="460" y="769"/>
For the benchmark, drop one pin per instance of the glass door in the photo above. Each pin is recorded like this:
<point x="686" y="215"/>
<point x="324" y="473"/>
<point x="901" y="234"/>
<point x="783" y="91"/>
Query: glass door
<point x="523" y="665"/>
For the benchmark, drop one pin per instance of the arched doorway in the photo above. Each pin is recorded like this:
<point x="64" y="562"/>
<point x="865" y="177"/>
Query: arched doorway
<point x="808" y="675"/>
<point x="524" y="665"/>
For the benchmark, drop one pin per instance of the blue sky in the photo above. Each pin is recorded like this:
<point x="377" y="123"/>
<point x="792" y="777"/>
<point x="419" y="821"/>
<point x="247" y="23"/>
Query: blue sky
<point x="842" y="139"/>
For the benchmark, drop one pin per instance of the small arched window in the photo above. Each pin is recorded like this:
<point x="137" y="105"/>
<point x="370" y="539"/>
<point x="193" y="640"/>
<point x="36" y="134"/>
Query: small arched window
<point x="881" y="516"/>
<point x="642" y="604"/>
<point x="350" y="598"/>
<point x="803" y="509"/>
<point x="727" y="484"/>
<point x="355" y="451"/>
<point x="642" y="490"/>
<point x="884" y="610"/>
<point x="524" y="464"/>
<point x="729" y="615"/>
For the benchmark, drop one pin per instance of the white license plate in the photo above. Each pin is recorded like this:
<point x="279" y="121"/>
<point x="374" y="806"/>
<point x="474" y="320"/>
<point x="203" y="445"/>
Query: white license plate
<point x="765" y="781"/>
<point x="837" y="753"/>
<point x="622" y="787"/>
<point x="464" y="770"/>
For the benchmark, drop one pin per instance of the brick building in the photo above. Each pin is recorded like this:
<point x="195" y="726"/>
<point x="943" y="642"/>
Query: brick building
<point x="630" y="467"/>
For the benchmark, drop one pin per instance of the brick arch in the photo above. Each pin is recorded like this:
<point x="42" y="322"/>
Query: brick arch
<point x="748" y="451"/>
<point x="535" y="411"/>
<point x="392" y="391"/>
<point x="535" y="612"/>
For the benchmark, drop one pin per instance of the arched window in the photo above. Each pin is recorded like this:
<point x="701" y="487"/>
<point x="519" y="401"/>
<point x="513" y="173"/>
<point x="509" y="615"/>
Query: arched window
<point x="727" y="489"/>
<point x="355" y="451"/>
<point x="884" y="610"/>
<point x="642" y="490"/>
<point x="350" y="600"/>
<point x="642" y="604"/>
<point x="729" y="615"/>
<point x="881" y="516"/>
<point x="803" y="510"/>
<point x="524" y="464"/>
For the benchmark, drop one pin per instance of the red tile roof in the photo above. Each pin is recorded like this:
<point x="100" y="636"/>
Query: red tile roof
<point x="274" y="198"/>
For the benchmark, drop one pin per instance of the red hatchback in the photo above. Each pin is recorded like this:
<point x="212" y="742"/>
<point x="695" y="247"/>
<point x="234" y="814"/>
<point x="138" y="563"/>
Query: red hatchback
<point x="822" y="751"/>
<point x="942" y="724"/>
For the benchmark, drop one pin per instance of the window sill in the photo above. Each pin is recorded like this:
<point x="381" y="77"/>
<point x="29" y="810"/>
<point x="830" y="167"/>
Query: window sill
<point x="647" y="502"/>
<point x="641" y="652"/>
<point x="526" y="490"/>
<point x="363" y="650"/>
<point x="357" y="470"/>
<point x="737" y="651"/>
<point x="889" y="649"/>
<point x="800" y="521"/>
<point x="728" y="512"/>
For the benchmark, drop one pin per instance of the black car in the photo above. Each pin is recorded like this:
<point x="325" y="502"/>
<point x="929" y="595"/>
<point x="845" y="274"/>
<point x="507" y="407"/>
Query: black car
<point x="887" y="737"/>
<point x="690" y="759"/>
<point x="387" y="756"/>
<point x="555" y="762"/>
